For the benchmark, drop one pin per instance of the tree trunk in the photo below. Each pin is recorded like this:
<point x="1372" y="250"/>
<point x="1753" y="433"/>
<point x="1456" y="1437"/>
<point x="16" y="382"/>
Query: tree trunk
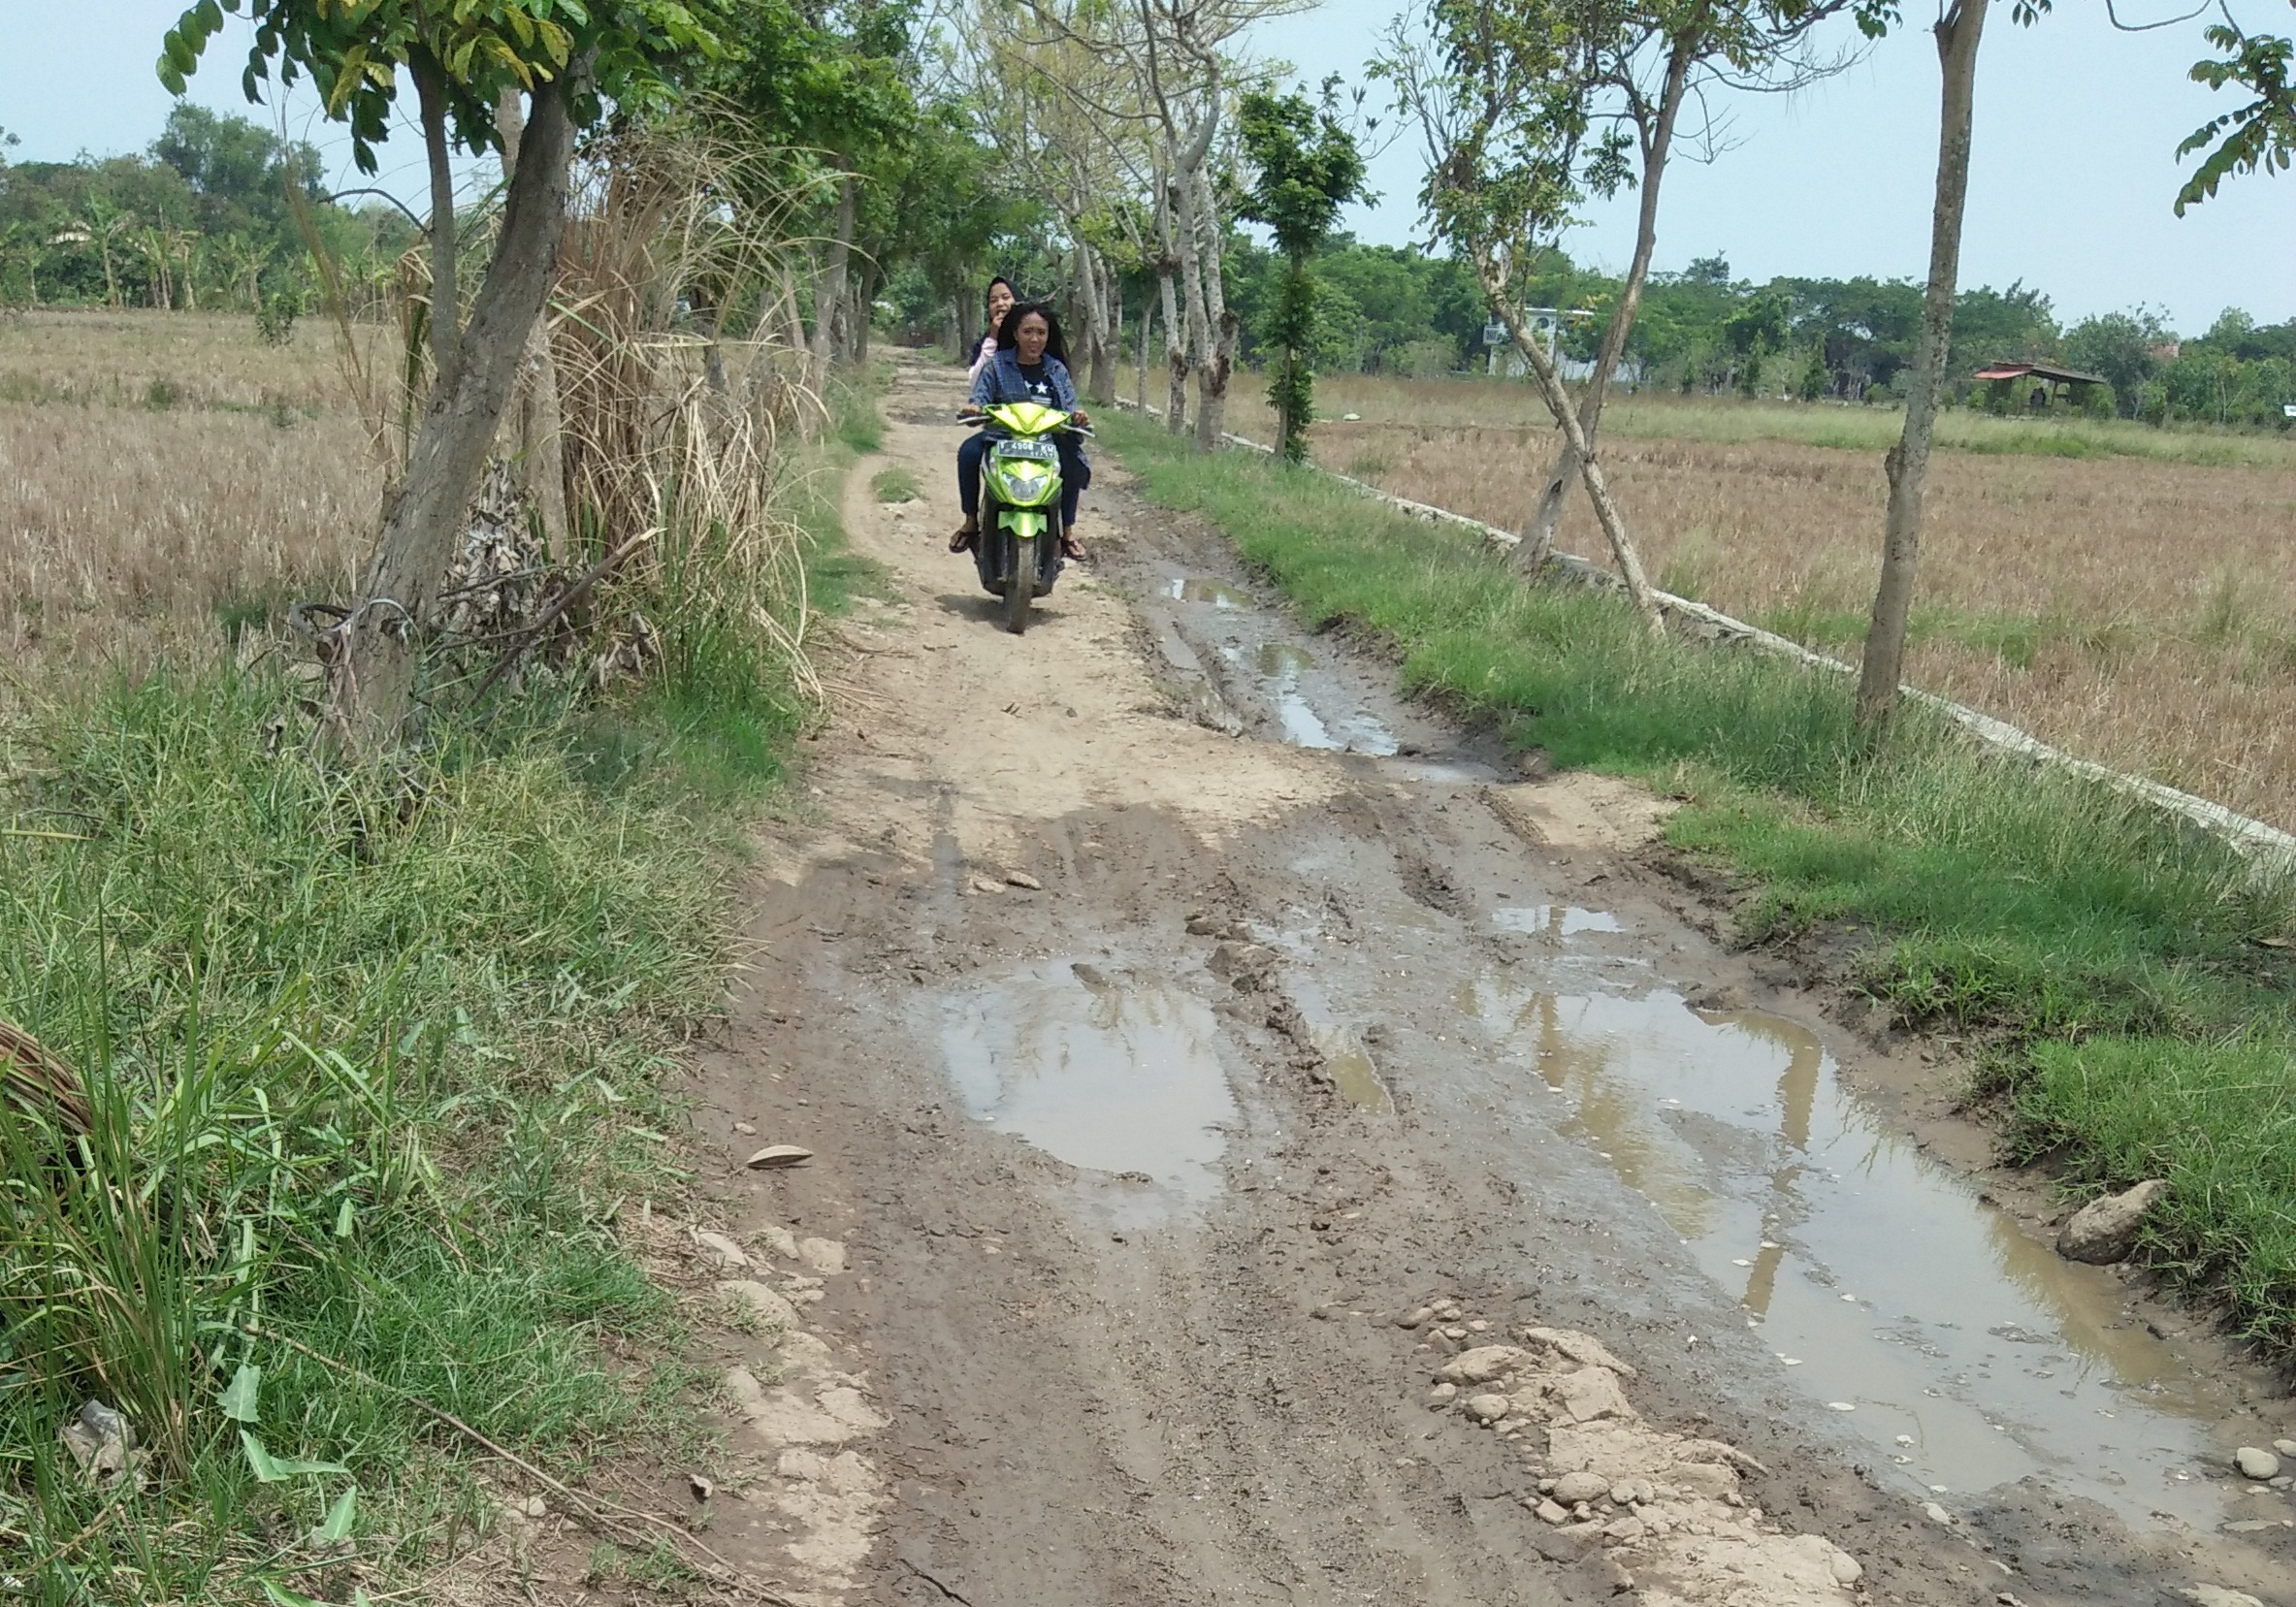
<point x="1147" y="332"/>
<point x="537" y="438"/>
<point x="372" y="654"/>
<point x="1198" y="336"/>
<point x="864" y="315"/>
<point x="1100" y="386"/>
<point x="1908" y="463"/>
<point x="431" y="91"/>
<point x="1539" y="539"/>
<point x="1223" y="325"/>
<point x="828" y="295"/>
<point x="1106" y="379"/>
<point x="1558" y="402"/>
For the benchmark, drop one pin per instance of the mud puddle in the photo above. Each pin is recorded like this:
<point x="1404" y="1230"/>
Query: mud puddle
<point x="1554" y="920"/>
<point x="1966" y="1352"/>
<point x="1264" y="671"/>
<point x="1115" y="1075"/>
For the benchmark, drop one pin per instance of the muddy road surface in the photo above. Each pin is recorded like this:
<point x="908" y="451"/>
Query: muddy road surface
<point x="1268" y="1149"/>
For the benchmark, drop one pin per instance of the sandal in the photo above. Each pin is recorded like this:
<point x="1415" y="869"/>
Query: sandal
<point x="966" y="534"/>
<point x="1072" y="549"/>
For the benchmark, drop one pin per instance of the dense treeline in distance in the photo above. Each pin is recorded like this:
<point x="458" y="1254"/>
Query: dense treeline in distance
<point x="204" y="219"/>
<point x="1398" y="311"/>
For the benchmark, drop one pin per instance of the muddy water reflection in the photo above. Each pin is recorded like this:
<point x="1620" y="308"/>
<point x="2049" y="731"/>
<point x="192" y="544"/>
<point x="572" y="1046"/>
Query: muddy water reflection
<point x="1293" y="696"/>
<point x="1560" y="921"/>
<point x="1108" y="1076"/>
<point x="1970" y="1354"/>
<point x="1204" y="589"/>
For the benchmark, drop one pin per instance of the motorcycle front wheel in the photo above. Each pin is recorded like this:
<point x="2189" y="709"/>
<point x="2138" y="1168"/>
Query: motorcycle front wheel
<point x="1020" y="582"/>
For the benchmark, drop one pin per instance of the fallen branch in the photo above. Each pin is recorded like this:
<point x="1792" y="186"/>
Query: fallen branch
<point x="558" y="606"/>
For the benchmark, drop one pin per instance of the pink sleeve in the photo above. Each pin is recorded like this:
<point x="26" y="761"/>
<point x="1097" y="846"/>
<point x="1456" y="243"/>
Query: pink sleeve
<point x="980" y="356"/>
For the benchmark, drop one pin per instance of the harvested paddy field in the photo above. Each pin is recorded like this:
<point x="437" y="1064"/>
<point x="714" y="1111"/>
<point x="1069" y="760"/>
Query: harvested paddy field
<point x="165" y="475"/>
<point x="2125" y="592"/>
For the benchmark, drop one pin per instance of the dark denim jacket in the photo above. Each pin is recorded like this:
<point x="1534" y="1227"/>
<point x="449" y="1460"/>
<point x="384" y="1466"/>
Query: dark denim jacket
<point x="1001" y="382"/>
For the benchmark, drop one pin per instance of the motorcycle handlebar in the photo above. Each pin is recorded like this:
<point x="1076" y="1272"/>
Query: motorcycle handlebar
<point x="977" y="419"/>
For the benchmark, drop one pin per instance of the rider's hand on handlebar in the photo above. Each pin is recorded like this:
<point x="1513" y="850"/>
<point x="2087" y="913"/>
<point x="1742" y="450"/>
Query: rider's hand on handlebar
<point x="1078" y="416"/>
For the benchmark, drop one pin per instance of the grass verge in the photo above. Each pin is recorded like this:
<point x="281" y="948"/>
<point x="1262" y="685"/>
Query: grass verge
<point x="2120" y="969"/>
<point x="374" y="1064"/>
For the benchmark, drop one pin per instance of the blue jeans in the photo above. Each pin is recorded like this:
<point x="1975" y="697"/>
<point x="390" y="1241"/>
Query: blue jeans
<point x="1076" y="473"/>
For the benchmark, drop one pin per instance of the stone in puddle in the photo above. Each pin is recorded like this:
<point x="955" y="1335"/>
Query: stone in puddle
<point x="2286" y="1447"/>
<point x="2105" y="1230"/>
<point x="2257" y="1463"/>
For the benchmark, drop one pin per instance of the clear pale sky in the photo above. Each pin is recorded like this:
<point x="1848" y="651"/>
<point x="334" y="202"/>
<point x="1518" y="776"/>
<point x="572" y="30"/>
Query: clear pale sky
<point x="2072" y="175"/>
<point x="2070" y="189"/>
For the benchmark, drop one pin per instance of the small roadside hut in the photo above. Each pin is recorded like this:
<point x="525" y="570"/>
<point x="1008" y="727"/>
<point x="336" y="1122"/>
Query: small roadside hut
<point x="2003" y="378"/>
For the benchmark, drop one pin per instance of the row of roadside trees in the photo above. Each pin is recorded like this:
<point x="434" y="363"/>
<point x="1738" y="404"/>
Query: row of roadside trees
<point x="1524" y="109"/>
<point x="1112" y="149"/>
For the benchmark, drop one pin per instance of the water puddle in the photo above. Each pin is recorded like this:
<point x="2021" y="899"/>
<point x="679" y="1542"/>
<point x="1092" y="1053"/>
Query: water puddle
<point x="1969" y="1354"/>
<point x="1281" y="667"/>
<point x="1350" y="1067"/>
<point x="1558" y="921"/>
<point x="1204" y="589"/>
<point x="1106" y="1074"/>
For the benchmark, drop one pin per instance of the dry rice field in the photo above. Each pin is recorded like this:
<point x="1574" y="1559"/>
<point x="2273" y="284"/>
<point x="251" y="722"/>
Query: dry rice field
<point x="2140" y="610"/>
<point x="165" y="475"/>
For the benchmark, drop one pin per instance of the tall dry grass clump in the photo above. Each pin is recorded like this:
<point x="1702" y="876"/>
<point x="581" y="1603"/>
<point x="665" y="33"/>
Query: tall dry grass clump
<point x="678" y="393"/>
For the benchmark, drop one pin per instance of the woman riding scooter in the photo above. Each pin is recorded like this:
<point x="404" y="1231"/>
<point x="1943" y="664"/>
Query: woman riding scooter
<point x="1029" y="366"/>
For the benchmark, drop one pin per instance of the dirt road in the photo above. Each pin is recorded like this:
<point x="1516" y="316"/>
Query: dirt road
<point x="1267" y="1151"/>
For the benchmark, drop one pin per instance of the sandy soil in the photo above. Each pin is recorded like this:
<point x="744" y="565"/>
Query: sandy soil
<point x="1188" y="1221"/>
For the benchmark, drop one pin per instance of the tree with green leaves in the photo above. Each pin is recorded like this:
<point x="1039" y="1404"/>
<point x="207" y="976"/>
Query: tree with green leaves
<point x="1645" y="63"/>
<point x="834" y="83"/>
<point x="1304" y="168"/>
<point x="1499" y="95"/>
<point x="1959" y="26"/>
<point x="570" y="62"/>
<point x="2259" y="136"/>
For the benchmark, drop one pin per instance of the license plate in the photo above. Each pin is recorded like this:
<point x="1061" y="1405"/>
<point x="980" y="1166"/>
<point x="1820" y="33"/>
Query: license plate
<point x="1042" y="451"/>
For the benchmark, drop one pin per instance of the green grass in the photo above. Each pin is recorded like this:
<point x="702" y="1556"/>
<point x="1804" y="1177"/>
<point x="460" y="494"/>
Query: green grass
<point x="895" y="484"/>
<point x="376" y="1063"/>
<point x="2111" y="962"/>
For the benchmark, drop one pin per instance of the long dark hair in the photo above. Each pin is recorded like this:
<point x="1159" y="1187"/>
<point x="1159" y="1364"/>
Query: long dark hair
<point x="1054" y="345"/>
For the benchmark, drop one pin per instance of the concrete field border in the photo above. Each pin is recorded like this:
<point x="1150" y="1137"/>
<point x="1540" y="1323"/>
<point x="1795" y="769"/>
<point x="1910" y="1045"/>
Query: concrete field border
<point x="2268" y="848"/>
